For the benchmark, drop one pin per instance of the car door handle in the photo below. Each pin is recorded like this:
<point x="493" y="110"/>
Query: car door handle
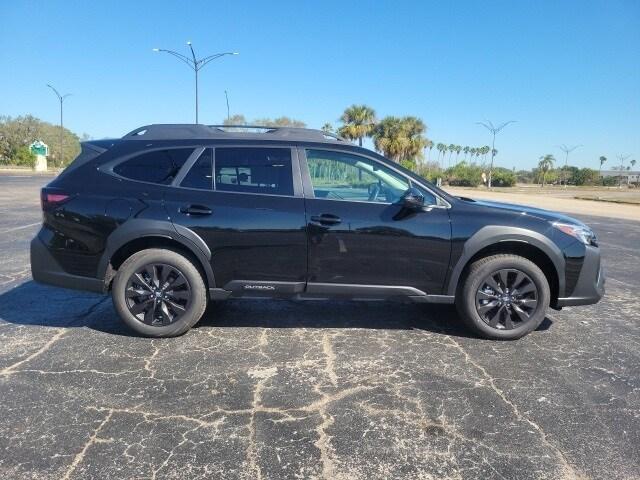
<point x="326" y="219"/>
<point x="196" y="210"/>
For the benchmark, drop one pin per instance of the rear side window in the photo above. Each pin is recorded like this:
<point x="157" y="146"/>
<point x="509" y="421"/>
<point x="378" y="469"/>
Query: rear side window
<point x="159" y="166"/>
<point x="200" y="175"/>
<point x="253" y="170"/>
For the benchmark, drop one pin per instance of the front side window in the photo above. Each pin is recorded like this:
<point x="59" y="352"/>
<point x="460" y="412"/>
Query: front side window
<point x="158" y="166"/>
<point x="253" y="170"/>
<point x="342" y="176"/>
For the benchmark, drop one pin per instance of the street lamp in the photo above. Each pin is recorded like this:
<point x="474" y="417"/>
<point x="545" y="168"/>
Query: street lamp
<point x="195" y="64"/>
<point x="494" y="131"/>
<point x="226" y="96"/>
<point x="622" y="158"/>
<point x="61" y="98"/>
<point x="567" y="151"/>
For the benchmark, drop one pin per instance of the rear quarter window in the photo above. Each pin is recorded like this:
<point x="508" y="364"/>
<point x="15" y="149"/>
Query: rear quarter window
<point x="158" y="166"/>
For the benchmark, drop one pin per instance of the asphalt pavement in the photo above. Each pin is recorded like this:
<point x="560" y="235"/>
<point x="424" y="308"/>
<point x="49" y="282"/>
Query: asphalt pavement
<point x="335" y="390"/>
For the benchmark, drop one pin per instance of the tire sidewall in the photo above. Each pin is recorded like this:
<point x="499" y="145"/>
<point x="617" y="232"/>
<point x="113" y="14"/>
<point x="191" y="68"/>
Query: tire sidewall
<point x="475" y="278"/>
<point x="198" y="292"/>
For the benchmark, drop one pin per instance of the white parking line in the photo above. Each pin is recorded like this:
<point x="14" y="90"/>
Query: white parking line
<point x="20" y="228"/>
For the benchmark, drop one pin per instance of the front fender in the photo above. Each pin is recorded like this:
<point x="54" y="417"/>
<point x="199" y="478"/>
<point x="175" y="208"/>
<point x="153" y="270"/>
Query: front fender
<point x="493" y="234"/>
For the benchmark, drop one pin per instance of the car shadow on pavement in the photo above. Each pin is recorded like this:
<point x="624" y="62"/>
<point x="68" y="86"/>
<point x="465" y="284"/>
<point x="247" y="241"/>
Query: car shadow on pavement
<point x="34" y="304"/>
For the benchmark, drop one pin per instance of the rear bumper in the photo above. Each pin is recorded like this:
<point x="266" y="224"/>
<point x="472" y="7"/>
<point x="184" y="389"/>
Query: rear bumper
<point x="45" y="269"/>
<point x="590" y="286"/>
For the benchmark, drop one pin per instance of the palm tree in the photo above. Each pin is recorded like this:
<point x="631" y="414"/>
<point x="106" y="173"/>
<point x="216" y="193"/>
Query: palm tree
<point x="327" y="128"/>
<point x="358" y="121"/>
<point x="441" y="148"/>
<point x="458" y="149"/>
<point x="400" y="138"/>
<point x="466" y="152"/>
<point x="546" y="164"/>
<point x="633" y="163"/>
<point x="451" y="149"/>
<point x="429" y="145"/>
<point x="602" y="160"/>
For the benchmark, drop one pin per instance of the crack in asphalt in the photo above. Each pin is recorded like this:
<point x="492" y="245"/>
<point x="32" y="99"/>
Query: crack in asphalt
<point x="569" y="473"/>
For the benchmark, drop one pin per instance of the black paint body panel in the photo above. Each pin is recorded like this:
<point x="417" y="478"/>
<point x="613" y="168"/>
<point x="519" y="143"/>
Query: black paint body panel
<point x="258" y="244"/>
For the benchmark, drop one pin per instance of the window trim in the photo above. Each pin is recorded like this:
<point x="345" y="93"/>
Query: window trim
<point x="198" y="149"/>
<point x="295" y="169"/>
<point x="308" y="184"/>
<point x="109" y="166"/>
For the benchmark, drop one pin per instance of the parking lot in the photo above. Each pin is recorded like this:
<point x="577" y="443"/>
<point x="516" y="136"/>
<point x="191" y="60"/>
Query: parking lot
<point x="338" y="390"/>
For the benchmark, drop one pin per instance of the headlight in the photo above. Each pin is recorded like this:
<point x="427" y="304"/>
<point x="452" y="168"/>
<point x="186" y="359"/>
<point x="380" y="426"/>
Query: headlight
<point x="584" y="234"/>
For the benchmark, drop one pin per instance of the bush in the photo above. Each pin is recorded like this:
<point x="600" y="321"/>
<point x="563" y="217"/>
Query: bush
<point x="464" y="175"/>
<point x="24" y="158"/>
<point x="503" y="177"/>
<point x="584" y="176"/>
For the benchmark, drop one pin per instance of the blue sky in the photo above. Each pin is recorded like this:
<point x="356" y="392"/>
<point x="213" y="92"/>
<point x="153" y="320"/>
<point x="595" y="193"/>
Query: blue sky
<point x="567" y="71"/>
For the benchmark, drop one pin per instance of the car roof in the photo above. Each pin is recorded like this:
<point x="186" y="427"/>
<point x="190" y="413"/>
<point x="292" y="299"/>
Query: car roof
<point x="230" y="132"/>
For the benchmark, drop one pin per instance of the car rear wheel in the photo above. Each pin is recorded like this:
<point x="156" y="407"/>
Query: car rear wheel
<point x="159" y="293"/>
<point x="503" y="297"/>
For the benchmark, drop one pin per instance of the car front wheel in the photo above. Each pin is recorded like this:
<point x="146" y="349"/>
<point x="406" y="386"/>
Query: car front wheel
<point x="503" y="297"/>
<point x="159" y="293"/>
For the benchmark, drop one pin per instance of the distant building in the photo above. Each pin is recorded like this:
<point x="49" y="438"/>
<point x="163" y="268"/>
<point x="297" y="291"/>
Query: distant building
<point x="628" y="176"/>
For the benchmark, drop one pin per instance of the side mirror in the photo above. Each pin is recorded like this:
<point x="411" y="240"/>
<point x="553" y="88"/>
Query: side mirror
<point x="412" y="199"/>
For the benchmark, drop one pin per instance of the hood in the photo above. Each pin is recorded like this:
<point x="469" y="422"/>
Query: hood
<point x="540" y="213"/>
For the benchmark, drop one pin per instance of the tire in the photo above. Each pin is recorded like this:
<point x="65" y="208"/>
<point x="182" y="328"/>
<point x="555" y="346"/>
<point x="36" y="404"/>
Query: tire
<point x="162" y="282"/>
<point x="503" y="307"/>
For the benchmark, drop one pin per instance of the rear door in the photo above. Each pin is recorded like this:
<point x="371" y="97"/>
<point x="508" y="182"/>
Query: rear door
<point x="360" y="236"/>
<point x="246" y="203"/>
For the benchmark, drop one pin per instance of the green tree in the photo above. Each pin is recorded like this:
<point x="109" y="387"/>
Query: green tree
<point x="24" y="158"/>
<point x="22" y="131"/>
<point x="358" y="122"/>
<point x="280" y="122"/>
<point x="429" y="145"/>
<point x="441" y="149"/>
<point x="602" y="160"/>
<point x="545" y="164"/>
<point x="400" y="139"/>
<point x="503" y="177"/>
<point x="327" y="127"/>
<point x="464" y="175"/>
<point x="237" y="119"/>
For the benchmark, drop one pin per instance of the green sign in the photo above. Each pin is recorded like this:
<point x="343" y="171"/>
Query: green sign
<point x="39" y="148"/>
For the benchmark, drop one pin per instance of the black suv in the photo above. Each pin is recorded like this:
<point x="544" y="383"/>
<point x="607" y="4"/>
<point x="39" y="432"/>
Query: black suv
<point x="171" y="216"/>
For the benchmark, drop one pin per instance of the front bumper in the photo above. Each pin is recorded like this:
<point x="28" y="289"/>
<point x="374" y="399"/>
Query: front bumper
<point x="45" y="269"/>
<point x="589" y="288"/>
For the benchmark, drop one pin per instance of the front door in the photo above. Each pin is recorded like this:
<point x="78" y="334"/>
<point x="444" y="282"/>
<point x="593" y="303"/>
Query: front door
<point x="359" y="234"/>
<point x="243" y="202"/>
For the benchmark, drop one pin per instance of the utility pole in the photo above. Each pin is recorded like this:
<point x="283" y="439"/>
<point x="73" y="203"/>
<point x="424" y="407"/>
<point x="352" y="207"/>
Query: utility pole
<point x="622" y="158"/>
<point x="494" y="131"/>
<point x="195" y="64"/>
<point x="226" y="96"/>
<point x="61" y="99"/>
<point x="567" y="151"/>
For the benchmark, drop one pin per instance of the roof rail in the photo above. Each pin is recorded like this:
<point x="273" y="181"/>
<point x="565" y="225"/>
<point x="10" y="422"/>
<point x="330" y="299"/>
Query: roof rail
<point x="189" y="131"/>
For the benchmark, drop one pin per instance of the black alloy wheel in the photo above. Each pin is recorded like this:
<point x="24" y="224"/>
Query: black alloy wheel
<point x="506" y="299"/>
<point x="158" y="294"/>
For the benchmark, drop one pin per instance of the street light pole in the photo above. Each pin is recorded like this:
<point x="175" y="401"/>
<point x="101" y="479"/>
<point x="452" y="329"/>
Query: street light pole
<point x="194" y="63"/>
<point x="226" y="96"/>
<point x="622" y="158"/>
<point x="61" y="99"/>
<point x="494" y="131"/>
<point x="567" y="151"/>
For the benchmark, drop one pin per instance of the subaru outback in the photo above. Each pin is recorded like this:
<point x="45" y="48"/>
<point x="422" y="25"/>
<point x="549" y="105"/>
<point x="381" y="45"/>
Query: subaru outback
<point x="170" y="217"/>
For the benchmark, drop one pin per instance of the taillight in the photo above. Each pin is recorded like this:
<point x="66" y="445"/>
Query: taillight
<point x="51" y="198"/>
